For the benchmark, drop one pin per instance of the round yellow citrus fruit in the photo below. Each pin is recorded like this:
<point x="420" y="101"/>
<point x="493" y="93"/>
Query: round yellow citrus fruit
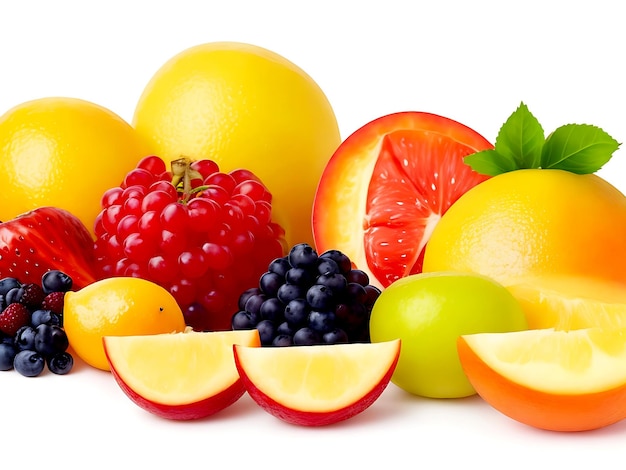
<point x="534" y="223"/>
<point x="117" y="306"/>
<point x="63" y="152"/>
<point x="244" y="106"/>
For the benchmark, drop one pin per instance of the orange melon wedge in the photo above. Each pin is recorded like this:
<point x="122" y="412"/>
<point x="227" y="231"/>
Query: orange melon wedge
<point x="555" y="380"/>
<point x="317" y="385"/>
<point x="181" y="376"/>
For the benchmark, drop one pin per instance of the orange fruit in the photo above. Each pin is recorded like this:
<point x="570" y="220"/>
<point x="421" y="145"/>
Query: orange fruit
<point x="244" y="106"/>
<point x="554" y="380"/>
<point x="63" y="152"/>
<point x="317" y="385"/>
<point x="117" y="306"/>
<point x="181" y="376"/>
<point x="534" y="222"/>
<point x="386" y="187"/>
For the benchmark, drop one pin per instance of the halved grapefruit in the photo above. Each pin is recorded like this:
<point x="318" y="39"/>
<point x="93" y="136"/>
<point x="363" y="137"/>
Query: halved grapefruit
<point x="549" y="379"/>
<point x="386" y="187"/>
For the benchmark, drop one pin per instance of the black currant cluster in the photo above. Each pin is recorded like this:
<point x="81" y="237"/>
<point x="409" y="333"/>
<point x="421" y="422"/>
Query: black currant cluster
<point x="31" y="325"/>
<point x="306" y="299"/>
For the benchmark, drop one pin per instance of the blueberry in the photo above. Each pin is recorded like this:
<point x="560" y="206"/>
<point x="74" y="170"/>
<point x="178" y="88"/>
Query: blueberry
<point x="320" y="297"/>
<point x="285" y="329"/>
<point x="282" y="341"/>
<point x="25" y="338"/>
<point x="342" y="260"/>
<point x="29" y="363"/>
<point x="300" y="277"/>
<point x="270" y="282"/>
<point x="328" y="266"/>
<point x="243" y="298"/>
<point x="322" y="322"/>
<point x="336" y="281"/>
<point x="358" y="276"/>
<point x="296" y="312"/>
<point x="302" y="255"/>
<point x="7" y="355"/>
<point x="306" y="337"/>
<point x="13" y="295"/>
<point x="335" y="336"/>
<point x="272" y="309"/>
<point x="267" y="331"/>
<point x="41" y="316"/>
<point x="60" y="363"/>
<point x="279" y="266"/>
<point x="355" y="293"/>
<point x="50" y="339"/>
<point x="55" y="281"/>
<point x="243" y="320"/>
<point x="8" y="283"/>
<point x="254" y="302"/>
<point x="289" y="292"/>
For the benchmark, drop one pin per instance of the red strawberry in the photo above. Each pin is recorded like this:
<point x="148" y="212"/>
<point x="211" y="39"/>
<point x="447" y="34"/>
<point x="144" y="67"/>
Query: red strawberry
<point x="203" y="234"/>
<point x="43" y="239"/>
<point x="13" y="317"/>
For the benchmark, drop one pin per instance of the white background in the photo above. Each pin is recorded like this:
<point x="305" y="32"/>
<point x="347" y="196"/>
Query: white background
<point x="470" y="61"/>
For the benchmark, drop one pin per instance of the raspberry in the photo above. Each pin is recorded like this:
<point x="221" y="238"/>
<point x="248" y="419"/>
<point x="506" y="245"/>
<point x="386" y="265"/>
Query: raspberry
<point x="32" y="295"/>
<point x="13" y="317"/>
<point x="203" y="234"/>
<point x="54" y="302"/>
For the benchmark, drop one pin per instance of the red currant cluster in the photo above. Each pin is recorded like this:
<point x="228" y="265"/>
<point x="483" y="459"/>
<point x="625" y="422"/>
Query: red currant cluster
<point x="204" y="235"/>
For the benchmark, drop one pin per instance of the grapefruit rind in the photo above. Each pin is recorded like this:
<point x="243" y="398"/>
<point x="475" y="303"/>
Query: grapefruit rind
<point x="320" y="384"/>
<point x="523" y="396"/>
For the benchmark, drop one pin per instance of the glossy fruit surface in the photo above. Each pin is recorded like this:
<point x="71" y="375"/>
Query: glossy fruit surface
<point x="244" y="107"/>
<point x="181" y="376"/>
<point x="63" y="152"/>
<point x="571" y="302"/>
<point x="534" y="222"/>
<point x="205" y="240"/>
<point x="555" y="380"/>
<point x="386" y="187"/>
<point x="320" y="384"/>
<point x="428" y="311"/>
<point x="117" y="306"/>
<point x="44" y="239"/>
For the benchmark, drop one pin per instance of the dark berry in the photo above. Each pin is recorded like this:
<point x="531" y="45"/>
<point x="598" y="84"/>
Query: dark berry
<point x="50" y="340"/>
<point x="60" y="363"/>
<point x="302" y="256"/>
<point x="300" y="276"/>
<point x="13" y="317"/>
<point x="297" y="312"/>
<point x="243" y="298"/>
<point x="25" y="338"/>
<point x="267" y="331"/>
<point x="7" y="354"/>
<point x="8" y="283"/>
<point x="29" y="363"/>
<point x="244" y="320"/>
<point x="270" y="282"/>
<point x="358" y="276"/>
<point x="340" y="258"/>
<point x="55" y="281"/>
<point x="306" y="337"/>
<point x="254" y="302"/>
<point x="32" y="295"/>
<point x="282" y="340"/>
<point x="272" y="309"/>
<point x="41" y="316"/>
<point x="285" y="329"/>
<point x="289" y="292"/>
<point x="54" y="301"/>
<point x="279" y="266"/>
<point x="322" y="322"/>
<point x="328" y="266"/>
<point x="320" y="297"/>
<point x="335" y="336"/>
<point x="14" y="295"/>
<point x="337" y="282"/>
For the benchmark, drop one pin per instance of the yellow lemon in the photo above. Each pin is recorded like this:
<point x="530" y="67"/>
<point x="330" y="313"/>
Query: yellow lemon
<point x="534" y="223"/>
<point x="63" y="152"/>
<point x="244" y="106"/>
<point x="118" y="306"/>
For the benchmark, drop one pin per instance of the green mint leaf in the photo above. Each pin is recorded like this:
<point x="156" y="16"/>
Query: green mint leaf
<point x="489" y="162"/>
<point x="521" y="138"/>
<point x="578" y="148"/>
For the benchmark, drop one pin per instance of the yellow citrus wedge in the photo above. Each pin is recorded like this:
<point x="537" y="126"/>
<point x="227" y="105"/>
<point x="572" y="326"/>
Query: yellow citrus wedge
<point x="181" y="376"/>
<point x="555" y="380"/>
<point x="571" y="302"/>
<point x="317" y="385"/>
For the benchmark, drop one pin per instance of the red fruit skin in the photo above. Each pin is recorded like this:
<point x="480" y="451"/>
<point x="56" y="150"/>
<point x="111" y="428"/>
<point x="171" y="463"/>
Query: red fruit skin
<point x="355" y="169"/>
<point x="202" y="408"/>
<point x="308" y="418"/>
<point x="43" y="239"/>
<point x="13" y="317"/>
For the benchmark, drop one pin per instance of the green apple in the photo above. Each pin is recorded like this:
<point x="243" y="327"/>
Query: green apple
<point x="428" y="312"/>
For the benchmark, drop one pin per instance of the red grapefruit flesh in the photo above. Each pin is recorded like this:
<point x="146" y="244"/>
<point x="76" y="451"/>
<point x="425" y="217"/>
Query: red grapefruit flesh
<point x="386" y="187"/>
